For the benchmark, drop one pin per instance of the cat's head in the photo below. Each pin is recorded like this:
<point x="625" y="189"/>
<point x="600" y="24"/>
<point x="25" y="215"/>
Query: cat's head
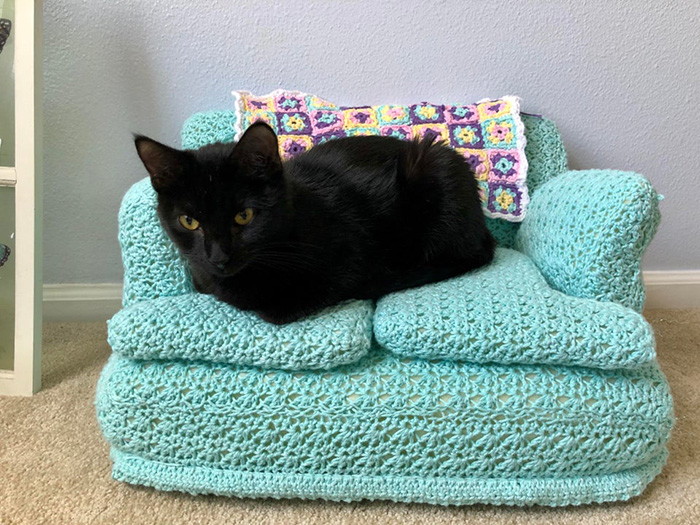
<point x="221" y="203"/>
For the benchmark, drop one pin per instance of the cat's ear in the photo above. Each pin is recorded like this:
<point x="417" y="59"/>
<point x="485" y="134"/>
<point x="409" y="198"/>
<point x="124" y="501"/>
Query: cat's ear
<point x="258" y="149"/>
<point x="164" y="164"/>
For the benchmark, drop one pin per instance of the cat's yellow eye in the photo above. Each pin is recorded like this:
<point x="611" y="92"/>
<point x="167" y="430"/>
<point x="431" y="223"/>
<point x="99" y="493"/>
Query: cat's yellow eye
<point x="188" y="222"/>
<point x="244" y="217"/>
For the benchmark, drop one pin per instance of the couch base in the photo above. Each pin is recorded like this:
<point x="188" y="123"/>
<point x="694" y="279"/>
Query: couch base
<point x="442" y="491"/>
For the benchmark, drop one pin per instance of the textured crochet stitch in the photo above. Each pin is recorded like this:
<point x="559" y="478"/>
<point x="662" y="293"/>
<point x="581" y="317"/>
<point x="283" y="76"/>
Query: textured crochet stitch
<point x="388" y="428"/>
<point x="532" y="381"/>
<point x="197" y="326"/>
<point x="488" y="317"/>
<point x="506" y="312"/>
<point x="490" y="135"/>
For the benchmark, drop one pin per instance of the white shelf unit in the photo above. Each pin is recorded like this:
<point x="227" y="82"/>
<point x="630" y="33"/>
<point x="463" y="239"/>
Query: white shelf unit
<point x="26" y="177"/>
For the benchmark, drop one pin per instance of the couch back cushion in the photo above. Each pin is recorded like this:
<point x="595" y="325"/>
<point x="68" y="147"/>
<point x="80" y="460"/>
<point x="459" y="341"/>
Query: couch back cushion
<point x="544" y="150"/>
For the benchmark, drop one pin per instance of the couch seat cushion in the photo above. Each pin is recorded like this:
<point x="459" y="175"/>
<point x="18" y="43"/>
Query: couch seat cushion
<point x="199" y="327"/>
<point x="507" y="313"/>
<point x="388" y="427"/>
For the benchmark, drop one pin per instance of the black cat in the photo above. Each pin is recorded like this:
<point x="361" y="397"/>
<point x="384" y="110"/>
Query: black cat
<point x="356" y="217"/>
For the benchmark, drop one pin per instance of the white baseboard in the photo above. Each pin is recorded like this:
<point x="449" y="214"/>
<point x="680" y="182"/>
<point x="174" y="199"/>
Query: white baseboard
<point x="672" y="289"/>
<point x="81" y="302"/>
<point x="99" y="302"/>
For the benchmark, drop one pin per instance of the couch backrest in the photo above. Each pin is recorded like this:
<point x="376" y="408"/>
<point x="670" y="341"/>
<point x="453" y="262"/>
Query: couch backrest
<point x="546" y="159"/>
<point x="207" y="128"/>
<point x="545" y="153"/>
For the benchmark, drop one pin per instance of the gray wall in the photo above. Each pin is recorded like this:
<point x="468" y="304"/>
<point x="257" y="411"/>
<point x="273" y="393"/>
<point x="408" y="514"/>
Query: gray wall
<point x="619" y="78"/>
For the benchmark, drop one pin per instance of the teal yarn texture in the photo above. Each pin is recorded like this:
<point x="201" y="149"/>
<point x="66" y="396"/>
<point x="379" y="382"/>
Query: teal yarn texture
<point x="533" y="381"/>
<point x="545" y="151"/>
<point x="463" y="318"/>
<point x="388" y="422"/>
<point x="197" y="326"/>
<point x="152" y="265"/>
<point x="507" y="313"/>
<point x="587" y="230"/>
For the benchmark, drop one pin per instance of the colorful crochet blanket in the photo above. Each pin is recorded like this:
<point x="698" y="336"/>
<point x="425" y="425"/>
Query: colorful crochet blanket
<point x="490" y="134"/>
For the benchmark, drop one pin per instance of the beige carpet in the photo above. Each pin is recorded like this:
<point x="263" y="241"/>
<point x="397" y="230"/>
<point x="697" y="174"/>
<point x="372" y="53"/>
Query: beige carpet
<point x="54" y="466"/>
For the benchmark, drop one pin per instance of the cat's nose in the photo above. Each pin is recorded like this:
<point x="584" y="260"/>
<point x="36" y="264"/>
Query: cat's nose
<point x="218" y="257"/>
<point x="219" y="262"/>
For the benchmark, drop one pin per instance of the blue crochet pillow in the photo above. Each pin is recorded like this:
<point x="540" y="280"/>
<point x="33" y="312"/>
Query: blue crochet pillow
<point x="164" y="318"/>
<point x="199" y="327"/>
<point x="507" y="313"/>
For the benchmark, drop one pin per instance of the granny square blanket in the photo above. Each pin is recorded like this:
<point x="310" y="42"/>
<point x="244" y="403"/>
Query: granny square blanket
<point x="490" y="134"/>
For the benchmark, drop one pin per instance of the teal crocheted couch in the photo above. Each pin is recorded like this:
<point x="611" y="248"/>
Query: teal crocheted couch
<point x="532" y="381"/>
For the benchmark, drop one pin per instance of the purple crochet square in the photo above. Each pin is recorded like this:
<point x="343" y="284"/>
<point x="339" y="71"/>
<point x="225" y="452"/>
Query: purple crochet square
<point x="425" y="113"/>
<point x="461" y="114"/>
<point x="324" y="121"/>
<point x="293" y="123"/>
<point x="505" y="166"/>
<point x="504" y="199"/>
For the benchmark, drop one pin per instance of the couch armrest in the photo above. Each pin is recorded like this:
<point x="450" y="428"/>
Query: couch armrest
<point x="152" y="265"/>
<point x="587" y="231"/>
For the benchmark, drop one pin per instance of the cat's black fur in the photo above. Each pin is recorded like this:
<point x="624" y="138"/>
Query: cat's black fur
<point x="356" y="217"/>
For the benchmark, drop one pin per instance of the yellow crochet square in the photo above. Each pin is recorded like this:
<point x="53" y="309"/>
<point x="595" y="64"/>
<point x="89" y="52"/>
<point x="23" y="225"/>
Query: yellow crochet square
<point x="354" y="118"/>
<point x="251" y="103"/>
<point x="493" y="109"/>
<point x="419" y="130"/>
<point x="478" y="160"/>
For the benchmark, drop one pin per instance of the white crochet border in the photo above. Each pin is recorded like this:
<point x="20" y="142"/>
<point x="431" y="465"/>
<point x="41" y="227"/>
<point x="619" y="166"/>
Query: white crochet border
<point x="514" y="101"/>
<point x="238" y="105"/>
<point x="521" y="181"/>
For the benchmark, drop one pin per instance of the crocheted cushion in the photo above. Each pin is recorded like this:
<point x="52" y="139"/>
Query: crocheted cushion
<point x="507" y="313"/>
<point x="196" y="326"/>
<point x="386" y="428"/>
<point x="163" y="317"/>
<point x="592" y="246"/>
<point x="490" y="135"/>
<point x="208" y="127"/>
